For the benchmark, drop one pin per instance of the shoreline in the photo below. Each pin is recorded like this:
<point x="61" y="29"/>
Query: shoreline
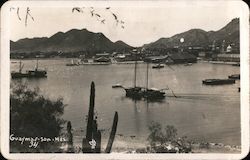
<point x="126" y="144"/>
<point x="196" y="148"/>
<point x="125" y="62"/>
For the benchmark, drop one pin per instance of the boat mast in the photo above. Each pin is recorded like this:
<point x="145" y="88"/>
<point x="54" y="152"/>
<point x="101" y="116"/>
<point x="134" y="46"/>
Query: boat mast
<point x="20" y="66"/>
<point x="135" y="73"/>
<point x="36" y="64"/>
<point x="147" y="77"/>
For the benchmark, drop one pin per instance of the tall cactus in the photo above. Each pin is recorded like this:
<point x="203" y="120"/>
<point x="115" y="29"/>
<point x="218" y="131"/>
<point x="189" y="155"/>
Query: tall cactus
<point x="93" y="135"/>
<point x="86" y="147"/>
<point x="89" y="133"/>
<point x="112" y="134"/>
<point x="92" y="142"/>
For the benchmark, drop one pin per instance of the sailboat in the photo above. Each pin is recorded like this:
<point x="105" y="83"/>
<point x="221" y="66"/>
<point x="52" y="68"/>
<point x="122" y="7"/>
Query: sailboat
<point x="134" y="92"/>
<point x="137" y="92"/>
<point x="152" y="93"/>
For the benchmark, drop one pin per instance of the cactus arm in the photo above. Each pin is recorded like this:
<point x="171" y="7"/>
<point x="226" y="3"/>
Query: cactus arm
<point x="112" y="134"/>
<point x="69" y="128"/>
<point x="70" y="148"/>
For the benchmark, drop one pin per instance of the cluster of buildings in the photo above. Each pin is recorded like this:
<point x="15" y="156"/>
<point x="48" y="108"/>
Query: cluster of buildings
<point x="172" y="58"/>
<point x="226" y="53"/>
<point x="146" y="56"/>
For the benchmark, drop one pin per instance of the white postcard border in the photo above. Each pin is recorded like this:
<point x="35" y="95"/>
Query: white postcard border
<point x="5" y="81"/>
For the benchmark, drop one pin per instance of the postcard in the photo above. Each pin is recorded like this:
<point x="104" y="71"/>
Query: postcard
<point x="125" y="79"/>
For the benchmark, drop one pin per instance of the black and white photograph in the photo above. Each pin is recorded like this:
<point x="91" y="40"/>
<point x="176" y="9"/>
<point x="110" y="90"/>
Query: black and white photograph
<point x="130" y="78"/>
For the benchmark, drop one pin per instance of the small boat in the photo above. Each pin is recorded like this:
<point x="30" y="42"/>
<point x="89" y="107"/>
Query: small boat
<point x="15" y="75"/>
<point x="236" y="64"/>
<point x="37" y="73"/>
<point x="96" y="63"/>
<point x="117" y="85"/>
<point x="188" y="64"/>
<point x="234" y="76"/>
<point x="158" y="66"/>
<point x="218" y="81"/>
<point x="73" y="63"/>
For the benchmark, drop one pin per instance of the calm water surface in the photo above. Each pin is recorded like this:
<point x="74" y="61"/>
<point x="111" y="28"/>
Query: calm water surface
<point x="209" y="113"/>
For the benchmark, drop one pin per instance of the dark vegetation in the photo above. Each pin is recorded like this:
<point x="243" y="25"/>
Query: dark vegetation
<point x="34" y="115"/>
<point x="166" y="141"/>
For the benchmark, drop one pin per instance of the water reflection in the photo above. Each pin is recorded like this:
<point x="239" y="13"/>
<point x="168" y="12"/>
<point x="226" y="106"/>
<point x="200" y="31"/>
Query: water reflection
<point x="137" y="116"/>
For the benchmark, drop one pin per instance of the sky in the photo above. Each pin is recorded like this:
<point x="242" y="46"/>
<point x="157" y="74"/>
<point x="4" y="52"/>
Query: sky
<point x="142" y="24"/>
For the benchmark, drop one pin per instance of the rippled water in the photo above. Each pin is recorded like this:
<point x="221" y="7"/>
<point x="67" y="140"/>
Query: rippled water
<point x="209" y="113"/>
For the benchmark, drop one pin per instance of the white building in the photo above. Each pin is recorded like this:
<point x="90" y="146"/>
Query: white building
<point x="229" y="49"/>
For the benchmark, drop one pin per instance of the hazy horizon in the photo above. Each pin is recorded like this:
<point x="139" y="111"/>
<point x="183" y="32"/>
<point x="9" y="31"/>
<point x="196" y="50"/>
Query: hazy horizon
<point x="145" y="24"/>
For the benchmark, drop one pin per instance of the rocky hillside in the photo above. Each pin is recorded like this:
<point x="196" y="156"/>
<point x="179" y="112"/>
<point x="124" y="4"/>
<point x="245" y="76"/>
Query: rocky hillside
<point x="84" y="40"/>
<point x="197" y="37"/>
<point x="71" y="41"/>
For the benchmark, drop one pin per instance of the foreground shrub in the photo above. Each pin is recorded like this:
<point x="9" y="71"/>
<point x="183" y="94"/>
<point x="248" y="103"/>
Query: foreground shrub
<point x="33" y="115"/>
<point x="166" y="142"/>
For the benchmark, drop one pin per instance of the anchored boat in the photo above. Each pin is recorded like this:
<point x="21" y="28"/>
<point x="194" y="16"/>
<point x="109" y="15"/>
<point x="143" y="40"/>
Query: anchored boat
<point x="136" y="92"/>
<point x="236" y="64"/>
<point x="234" y="76"/>
<point x="218" y="81"/>
<point x="158" y="66"/>
<point x="37" y="73"/>
<point x="19" y="74"/>
<point x="117" y="85"/>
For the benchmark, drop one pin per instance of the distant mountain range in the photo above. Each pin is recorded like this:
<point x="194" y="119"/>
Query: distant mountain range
<point x="84" y="40"/>
<point x="197" y="37"/>
<point x="71" y="41"/>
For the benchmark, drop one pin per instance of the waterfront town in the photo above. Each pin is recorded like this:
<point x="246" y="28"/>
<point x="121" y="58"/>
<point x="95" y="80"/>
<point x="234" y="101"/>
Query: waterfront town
<point x="187" y="54"/>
